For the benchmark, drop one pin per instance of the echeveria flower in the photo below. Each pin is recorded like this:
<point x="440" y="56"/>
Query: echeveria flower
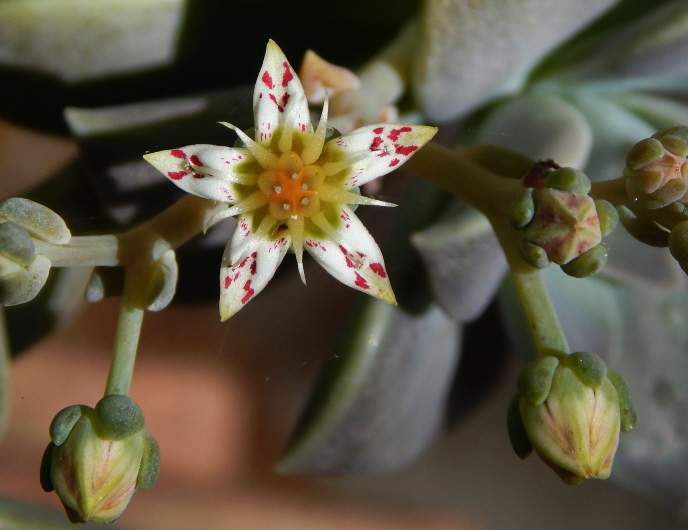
<point x="291" y="187"/>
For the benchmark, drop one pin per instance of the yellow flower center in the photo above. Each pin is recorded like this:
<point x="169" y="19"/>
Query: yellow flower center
<point x="292" y="188"/>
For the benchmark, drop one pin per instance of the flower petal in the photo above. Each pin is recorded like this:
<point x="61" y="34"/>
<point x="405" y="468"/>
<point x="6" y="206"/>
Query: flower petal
<point x="277" y="90"/>
<point x="246" y="237"/>
<point x="207" y="171"/>
<point x="240" y="283"/>
<point x="370" y="152"/>
<point x="350" y="254"/>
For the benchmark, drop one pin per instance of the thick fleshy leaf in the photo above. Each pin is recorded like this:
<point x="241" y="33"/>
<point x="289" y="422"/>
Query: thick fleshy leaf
<point x="654" y="46"/>
<point x="632" y="262"/>
<point x="654" y="459"/>
<point x="540" y="126"/>
<point x="658" y="111"/>
<point x="614" y="131"/>
<point x="351" y="255"/>
<point x="587" y="309"/>
<point x="465" y="262"/>
<point x="373" y="151"/>
<point x="278" y="95"/>
<point x="207" y="171"/>
<point x="382" y="397"/>
<point x="80" y="40"/>
<point x="453" y="74"/>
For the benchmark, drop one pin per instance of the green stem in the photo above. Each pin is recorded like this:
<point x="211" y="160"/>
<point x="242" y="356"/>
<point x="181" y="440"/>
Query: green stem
<point x="542" y="319"/>
<point x="613" y="191"/>
<point x="139" y="249"/>
<point x="486" y="178"/>
<point x="456" y="172"/>
<point x="127" y="336"/>
<point x="82" y="251"/>
<point x="174" y="226"/>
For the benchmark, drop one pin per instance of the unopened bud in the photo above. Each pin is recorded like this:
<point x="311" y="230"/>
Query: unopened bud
<point x="570" y="412"/>
<point x="656" y="168"/>
<point x="98" y="458"/>
<point x="561" y="223"/>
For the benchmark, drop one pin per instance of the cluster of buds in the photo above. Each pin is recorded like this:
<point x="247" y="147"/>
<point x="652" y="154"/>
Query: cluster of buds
<point x="23" y="271"/>
<point x="561" y="223"/>
<point x="656" y="169"/>
<point x="656" y="178"/>
<point x="570" y="409"/>
<point x="98" y="458"/>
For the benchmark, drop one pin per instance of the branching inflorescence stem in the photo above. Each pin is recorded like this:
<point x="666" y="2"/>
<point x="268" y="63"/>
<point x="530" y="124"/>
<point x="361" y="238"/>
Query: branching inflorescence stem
<point x="487" y="178"/>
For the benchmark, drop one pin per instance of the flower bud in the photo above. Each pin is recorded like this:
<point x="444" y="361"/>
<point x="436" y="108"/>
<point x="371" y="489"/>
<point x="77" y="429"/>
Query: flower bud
<point x="562" y="224"/>
<point x="656" y="168"/>
<point x="98" y="457"/>
<point x="570" y="411"/>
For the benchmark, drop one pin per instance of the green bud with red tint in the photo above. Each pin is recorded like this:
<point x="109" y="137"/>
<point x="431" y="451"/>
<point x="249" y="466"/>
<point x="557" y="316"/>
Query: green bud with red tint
<point x="570" y="410"/>
<point x="656" y="169"/>
<point x="98" y="458"/>
<point x="562" y="224"/>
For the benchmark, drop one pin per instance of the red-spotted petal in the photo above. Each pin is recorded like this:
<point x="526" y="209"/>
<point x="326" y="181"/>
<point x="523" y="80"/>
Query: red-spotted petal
<point x="373" y="151"/>
<point x="207" y="171"/>
<point x="350" y="254"/>
<point x="277" y="96"/>
<point x="247" y="236"/>
<point x="249" y="276"/>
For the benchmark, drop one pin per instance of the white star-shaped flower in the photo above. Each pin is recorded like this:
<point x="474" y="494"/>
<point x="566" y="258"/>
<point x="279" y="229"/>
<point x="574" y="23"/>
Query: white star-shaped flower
<point x="291" y="187"/>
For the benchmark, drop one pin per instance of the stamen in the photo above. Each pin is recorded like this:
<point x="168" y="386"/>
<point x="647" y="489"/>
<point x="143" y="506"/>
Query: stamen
<point x="305" y="201"/>
<point x="304" y="186"/>
<point x="294" y="176"/>
<point x="314" y="148"/>
<point x="286" y="206"/>
<point x="278" y="189"/>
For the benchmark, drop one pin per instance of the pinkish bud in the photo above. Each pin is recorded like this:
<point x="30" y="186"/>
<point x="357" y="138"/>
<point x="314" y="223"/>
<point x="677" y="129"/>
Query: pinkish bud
<point x="570" y="410"/>
<point x="98" y="458"/>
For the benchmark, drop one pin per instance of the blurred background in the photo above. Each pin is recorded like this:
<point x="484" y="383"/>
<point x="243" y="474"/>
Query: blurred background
<point x="223" y="399"/>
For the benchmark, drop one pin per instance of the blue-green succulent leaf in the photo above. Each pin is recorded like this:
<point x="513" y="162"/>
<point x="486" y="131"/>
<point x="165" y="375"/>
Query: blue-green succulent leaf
<point x="383" y="398"/>
<point x="540" y="125"/>
<point x="464" y="261"/>
<point x="452" y="75"/>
